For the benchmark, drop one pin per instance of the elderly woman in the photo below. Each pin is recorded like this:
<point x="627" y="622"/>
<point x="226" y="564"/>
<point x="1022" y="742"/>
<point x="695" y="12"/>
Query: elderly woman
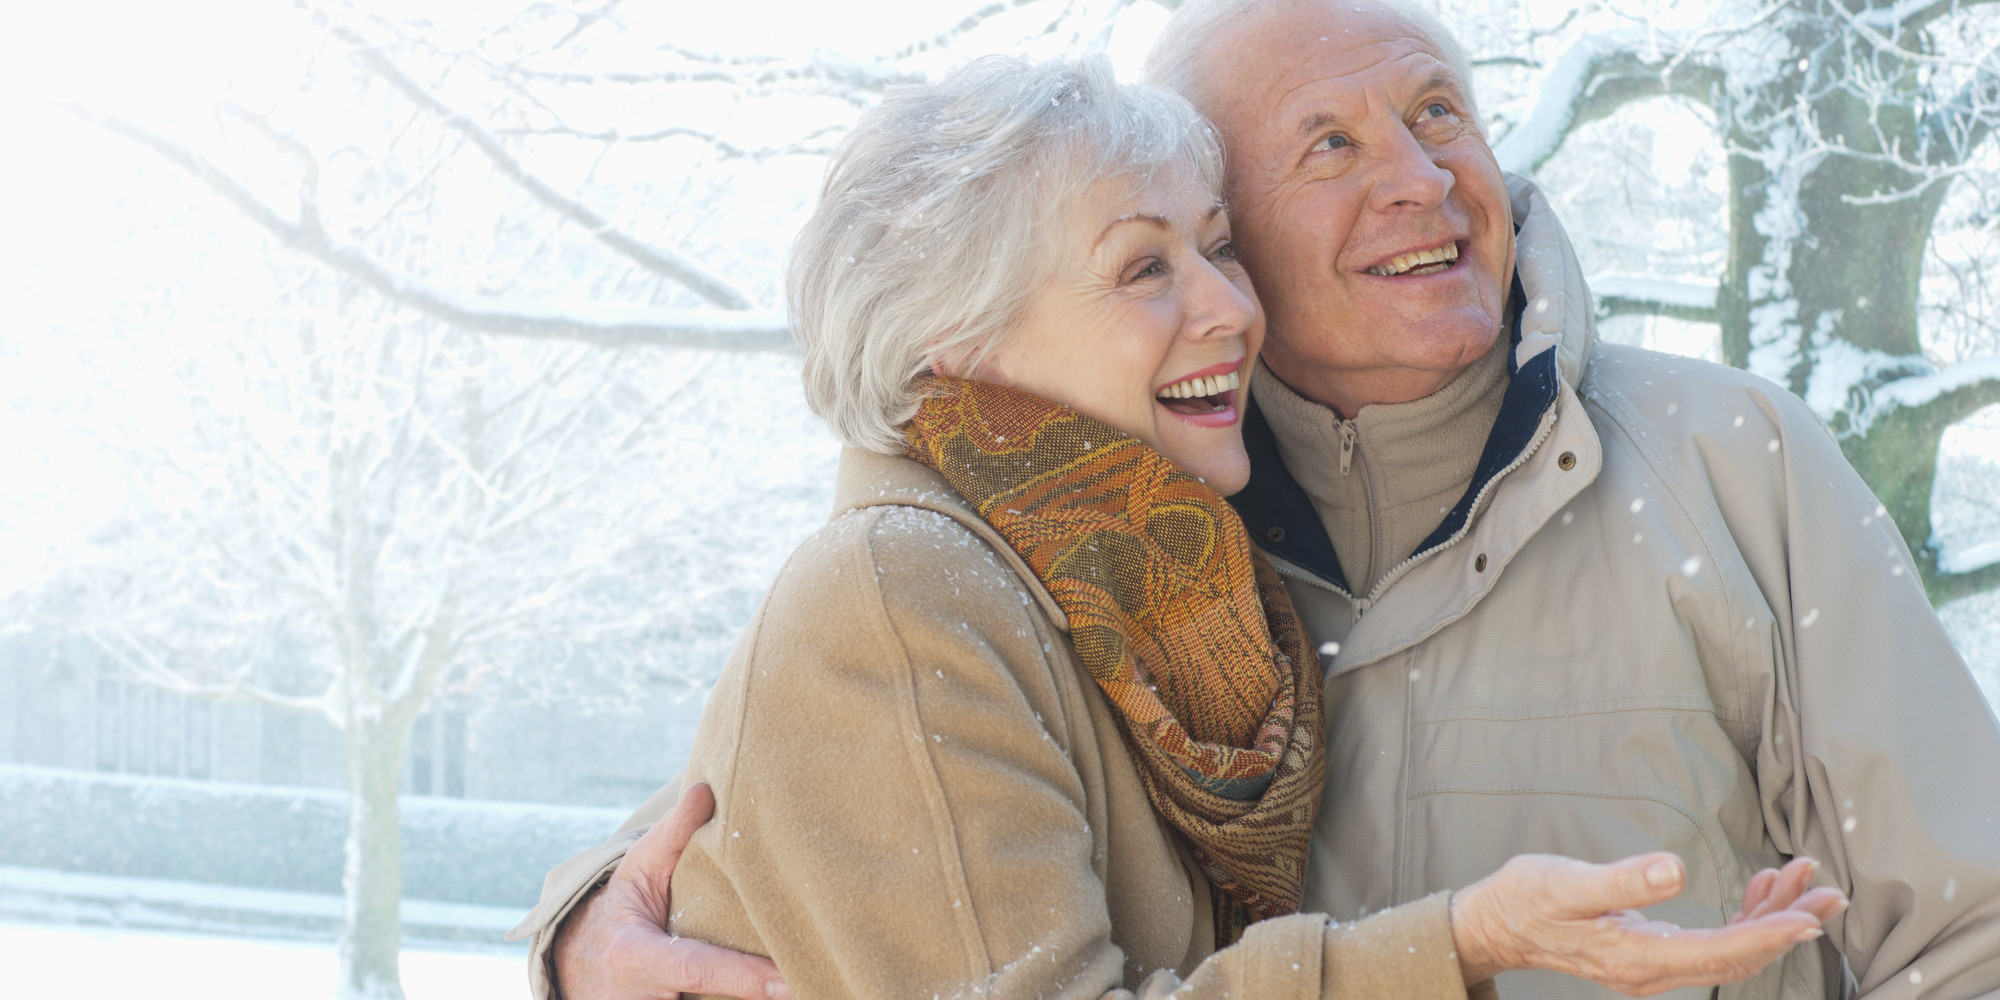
<point x="1031" y="716"/>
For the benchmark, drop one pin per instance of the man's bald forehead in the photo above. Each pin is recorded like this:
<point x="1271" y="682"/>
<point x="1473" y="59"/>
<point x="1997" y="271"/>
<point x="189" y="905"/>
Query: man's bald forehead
<point x="1179" y="59"/>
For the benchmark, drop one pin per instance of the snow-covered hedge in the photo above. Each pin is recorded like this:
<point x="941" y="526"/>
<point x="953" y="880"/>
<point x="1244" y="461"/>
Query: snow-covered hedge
<point x="268" y="837"/>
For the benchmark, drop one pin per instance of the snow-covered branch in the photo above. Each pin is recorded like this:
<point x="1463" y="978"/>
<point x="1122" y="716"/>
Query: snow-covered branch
<point x="813" y="144"/>
<point x="602" y="324"/>
<point x="1950" y="585"/>
<point x="1691" y="299"/>
<point x="968" y="23"/>
<point x="1596" y="76"/>
<point x="1853" y="389"/>
<point x="147" y="667"/>
<point x="1958" y="390"/>
<point x="664" y="261"/>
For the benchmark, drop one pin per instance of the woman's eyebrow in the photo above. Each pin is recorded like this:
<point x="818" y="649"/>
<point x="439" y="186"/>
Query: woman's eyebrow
<point x="1157" y="220"/>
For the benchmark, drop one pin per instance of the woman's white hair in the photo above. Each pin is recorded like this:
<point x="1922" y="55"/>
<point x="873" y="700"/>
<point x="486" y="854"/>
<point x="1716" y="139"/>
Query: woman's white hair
<point x="941" y="215"/>
<point x="1177" y="60"/>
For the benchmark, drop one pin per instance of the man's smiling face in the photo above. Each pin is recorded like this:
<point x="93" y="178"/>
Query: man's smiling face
<point x="1369" y="209"/>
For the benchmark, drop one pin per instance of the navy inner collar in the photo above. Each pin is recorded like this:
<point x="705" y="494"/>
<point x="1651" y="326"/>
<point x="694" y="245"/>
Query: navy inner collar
<point x="1280" y="516"/>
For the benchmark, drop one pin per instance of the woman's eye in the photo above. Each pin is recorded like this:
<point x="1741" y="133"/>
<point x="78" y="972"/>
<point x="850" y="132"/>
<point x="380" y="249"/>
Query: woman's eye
<point x="1331" y="142"/>
<point x="1226" y="250"/>
<point x="1153" y="269"/>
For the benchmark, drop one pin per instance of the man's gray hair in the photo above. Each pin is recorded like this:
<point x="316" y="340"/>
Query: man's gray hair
<point x="943" y="213"/>
<point x="1176" y="61"/>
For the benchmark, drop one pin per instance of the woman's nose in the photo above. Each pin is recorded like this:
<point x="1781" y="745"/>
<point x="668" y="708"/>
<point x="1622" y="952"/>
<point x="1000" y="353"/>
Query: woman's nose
<point x="1222" y="307"/>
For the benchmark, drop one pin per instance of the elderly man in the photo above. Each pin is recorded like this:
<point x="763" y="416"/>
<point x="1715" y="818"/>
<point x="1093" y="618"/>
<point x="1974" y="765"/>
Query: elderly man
<point x="1576" y="598"/>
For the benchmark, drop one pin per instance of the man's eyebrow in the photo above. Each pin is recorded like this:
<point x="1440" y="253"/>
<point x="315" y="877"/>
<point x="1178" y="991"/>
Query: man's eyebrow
<point x="1159" y="221"/>
<point x="1440" y="79"/>
<point x="1311" y="126"/>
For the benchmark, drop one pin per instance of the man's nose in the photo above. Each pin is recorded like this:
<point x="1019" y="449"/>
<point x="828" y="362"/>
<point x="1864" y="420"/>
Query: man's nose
<point x="1407" y="175"/>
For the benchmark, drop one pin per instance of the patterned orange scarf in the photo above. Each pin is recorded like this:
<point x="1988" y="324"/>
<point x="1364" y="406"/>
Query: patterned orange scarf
<point x="1178" y="618"/>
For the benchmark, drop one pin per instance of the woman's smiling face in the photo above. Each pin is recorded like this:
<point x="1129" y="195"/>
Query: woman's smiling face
<point x="1148" y="323"/>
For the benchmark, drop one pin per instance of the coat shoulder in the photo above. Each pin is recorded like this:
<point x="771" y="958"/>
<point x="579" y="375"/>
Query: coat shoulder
<point x="1670" y="398"/>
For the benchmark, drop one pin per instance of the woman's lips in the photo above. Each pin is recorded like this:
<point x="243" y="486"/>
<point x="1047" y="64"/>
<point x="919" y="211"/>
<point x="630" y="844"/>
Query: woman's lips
<point x="1221" y="414"/>
<point x="1214" y="370"/>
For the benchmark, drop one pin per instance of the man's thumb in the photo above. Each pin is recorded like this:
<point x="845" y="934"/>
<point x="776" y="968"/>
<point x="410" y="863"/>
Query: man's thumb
<point x="1633" y="883"/>
<point x="649" y="864"/>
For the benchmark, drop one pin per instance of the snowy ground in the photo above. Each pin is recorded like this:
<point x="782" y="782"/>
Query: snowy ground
<point x="101" y="964"/>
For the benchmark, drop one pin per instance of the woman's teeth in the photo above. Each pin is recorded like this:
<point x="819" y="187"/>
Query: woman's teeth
<point x="1421" y="262"/>
<point x="1211" y="385"/>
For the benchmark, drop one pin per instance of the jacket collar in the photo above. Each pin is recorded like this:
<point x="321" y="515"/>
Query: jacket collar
<point x="868" y="479"/>
<point x="1551" y="326"/>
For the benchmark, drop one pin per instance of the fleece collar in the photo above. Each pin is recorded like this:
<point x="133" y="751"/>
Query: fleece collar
<point x="1551" y="329"/>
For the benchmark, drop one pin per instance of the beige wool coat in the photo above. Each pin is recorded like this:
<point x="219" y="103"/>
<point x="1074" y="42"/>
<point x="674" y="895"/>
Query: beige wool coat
<point x="920" y="793"/>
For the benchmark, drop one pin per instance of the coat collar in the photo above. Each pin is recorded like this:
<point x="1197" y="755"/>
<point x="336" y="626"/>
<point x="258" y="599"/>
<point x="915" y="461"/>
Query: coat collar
<point x="868" y="479"/>
<point x="1552" y="326"/>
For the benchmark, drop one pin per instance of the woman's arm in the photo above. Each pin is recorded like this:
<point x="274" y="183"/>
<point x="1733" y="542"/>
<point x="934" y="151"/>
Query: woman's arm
<point x="913" y="801"/>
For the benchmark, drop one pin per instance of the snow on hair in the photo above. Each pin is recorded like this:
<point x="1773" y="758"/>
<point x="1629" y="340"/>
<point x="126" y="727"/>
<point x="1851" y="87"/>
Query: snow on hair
<point x="1175" y="61"/>
<point x="939" y="213"/>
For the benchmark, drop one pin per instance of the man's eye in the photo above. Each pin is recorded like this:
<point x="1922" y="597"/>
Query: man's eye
<point x="1436" y="110"/>
<point x="1153" y="269"/>
<point x="1331" y="142"/>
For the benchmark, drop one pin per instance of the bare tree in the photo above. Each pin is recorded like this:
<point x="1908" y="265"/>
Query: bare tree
<point x="396" y="507"/>
<point x="365" y="502"/>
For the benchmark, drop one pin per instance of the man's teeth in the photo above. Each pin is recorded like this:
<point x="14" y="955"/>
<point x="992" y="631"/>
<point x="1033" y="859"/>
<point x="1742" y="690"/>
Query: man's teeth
<point x="1404" y="263"/>
<point x="1207" y="386"/>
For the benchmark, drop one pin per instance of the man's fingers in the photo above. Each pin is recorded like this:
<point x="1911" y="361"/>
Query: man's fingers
<point x="664" y="965"/>
<point x="1823" y="903"/>
<point x="1658" y="957"/>
<point x="650" y="862"/>
<point x="1755" y="893"/>
<point x="1792" y="882"/>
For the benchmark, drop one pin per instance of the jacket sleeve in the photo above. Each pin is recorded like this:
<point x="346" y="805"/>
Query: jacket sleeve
<point x="1878" y="756"/>
<point x="901" y="811"/>
<point x="565" y="886"/>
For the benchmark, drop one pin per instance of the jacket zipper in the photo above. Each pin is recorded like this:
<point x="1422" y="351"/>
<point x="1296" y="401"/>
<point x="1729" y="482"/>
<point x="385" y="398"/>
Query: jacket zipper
<point x="1362" y="604"/>
<point x="1348" y="432"/>
<point x="1478" y="500"/>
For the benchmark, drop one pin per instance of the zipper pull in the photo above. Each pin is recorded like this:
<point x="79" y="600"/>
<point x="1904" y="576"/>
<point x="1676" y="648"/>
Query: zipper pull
<point x="1347" y="435"/>
<point x="1361" y="606"/>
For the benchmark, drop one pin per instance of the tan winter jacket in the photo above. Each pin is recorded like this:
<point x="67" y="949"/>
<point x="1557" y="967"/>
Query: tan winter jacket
<point x="920" y="793"/>
<point x="1666" y="615"/>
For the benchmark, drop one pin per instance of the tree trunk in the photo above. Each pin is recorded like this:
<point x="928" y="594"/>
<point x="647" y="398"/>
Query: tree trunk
<point x="1821" y="293"/>
<point x="371" y="931"/>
